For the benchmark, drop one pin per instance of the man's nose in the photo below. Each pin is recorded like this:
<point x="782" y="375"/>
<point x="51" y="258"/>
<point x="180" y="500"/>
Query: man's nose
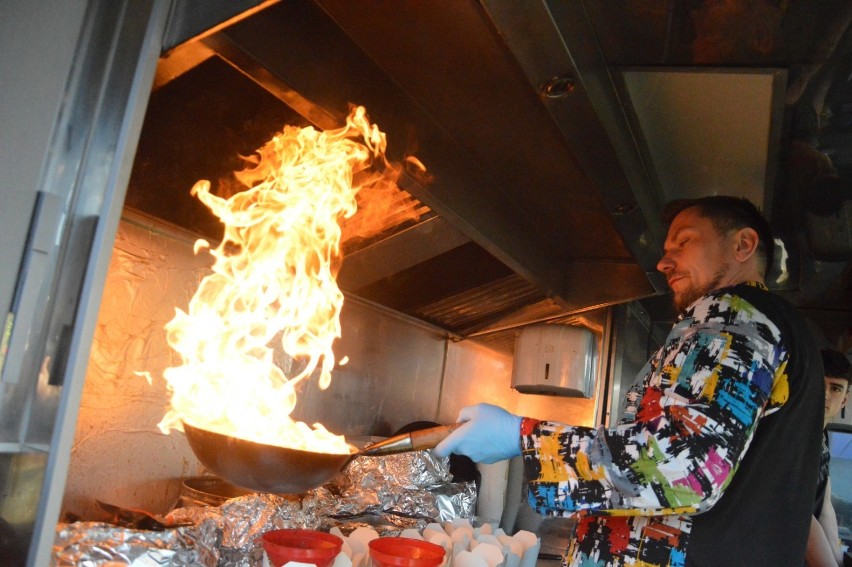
<point x="665" y="264"/>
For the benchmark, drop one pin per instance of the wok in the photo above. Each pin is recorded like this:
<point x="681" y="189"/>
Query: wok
<point x="270" y="468"/>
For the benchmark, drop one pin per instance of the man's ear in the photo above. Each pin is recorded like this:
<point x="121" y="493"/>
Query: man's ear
<point x="745" y="244"/>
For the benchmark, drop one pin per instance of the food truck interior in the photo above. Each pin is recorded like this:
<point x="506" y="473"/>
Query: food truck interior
<point x="532" y="144"/>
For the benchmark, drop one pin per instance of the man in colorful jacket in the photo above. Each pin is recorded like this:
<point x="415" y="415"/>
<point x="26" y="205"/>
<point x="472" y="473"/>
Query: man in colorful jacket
<point x="719" y="465"/>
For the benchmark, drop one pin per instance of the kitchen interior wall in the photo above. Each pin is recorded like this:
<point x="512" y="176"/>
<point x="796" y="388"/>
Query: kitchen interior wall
<point x="475" y="373"/>
<point x="118" y="455"/>
<point x="399" y="371"/>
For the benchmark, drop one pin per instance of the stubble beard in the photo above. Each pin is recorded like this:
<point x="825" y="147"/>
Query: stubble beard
<point x="686" y="297"/>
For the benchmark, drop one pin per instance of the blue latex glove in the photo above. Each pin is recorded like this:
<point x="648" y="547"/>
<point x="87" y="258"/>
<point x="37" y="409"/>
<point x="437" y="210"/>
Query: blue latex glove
<point x="490" y="434"/>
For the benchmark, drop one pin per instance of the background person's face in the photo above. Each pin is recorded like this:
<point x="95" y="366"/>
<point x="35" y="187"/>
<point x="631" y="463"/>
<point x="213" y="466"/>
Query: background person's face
<point x="697" y="258"/>
<point x="836" y="396"/>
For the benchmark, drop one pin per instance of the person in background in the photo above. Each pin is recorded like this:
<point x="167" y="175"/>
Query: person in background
<point x="726" y="432"/>
<point x="823" y="540"/>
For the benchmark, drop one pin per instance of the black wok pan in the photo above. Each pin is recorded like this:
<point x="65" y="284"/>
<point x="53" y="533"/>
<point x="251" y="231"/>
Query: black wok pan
<point x="270" y="468"/>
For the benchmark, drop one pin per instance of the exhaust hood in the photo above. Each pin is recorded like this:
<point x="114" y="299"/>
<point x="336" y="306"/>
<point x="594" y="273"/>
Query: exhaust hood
<point x="538" y="122"/>
<point x="512" y="222"/>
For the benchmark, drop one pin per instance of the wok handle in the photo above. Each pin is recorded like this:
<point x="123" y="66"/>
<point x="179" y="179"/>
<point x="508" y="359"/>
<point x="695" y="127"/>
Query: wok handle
<point x="414" y="441"/>
<point x="428" y="438"/>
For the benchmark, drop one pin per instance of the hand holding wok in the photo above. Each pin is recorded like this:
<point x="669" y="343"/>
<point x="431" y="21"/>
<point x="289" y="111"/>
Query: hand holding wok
<point x="488" y="434"/>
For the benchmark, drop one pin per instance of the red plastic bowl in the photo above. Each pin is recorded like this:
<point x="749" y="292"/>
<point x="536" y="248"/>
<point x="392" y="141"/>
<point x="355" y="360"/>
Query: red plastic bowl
<point x="405" y="552"/>
<point x="304" y="546"/>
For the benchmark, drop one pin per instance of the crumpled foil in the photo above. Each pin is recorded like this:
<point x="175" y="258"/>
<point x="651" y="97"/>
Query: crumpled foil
<point x="415" y="484"/>
<point x="223" y="536"/>
<point x="387" y="493"/>
<point x="88" y="544"/>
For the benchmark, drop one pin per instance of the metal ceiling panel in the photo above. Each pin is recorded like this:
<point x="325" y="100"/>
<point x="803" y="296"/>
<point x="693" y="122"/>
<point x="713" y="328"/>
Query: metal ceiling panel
<point x="556" y="39"/>
<point x="709" y="131"/>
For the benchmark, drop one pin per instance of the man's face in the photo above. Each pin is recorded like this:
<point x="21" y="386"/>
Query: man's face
<point x="697" y="259"/>
<point x="836" y="395"/>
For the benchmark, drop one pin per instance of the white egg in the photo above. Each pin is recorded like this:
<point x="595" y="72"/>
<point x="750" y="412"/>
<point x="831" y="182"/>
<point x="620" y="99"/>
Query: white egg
<point x="469" y="559"/>
<point x="492" y="553"/>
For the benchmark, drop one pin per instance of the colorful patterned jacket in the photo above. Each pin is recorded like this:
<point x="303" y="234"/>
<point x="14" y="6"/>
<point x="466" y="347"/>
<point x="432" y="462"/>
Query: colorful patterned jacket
<point x="636" y="488"/>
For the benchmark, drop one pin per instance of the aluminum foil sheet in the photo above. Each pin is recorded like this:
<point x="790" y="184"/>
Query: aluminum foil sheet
<point x="388" y="494"/>
<point x="223" y="536"/>
<point x="90" y="544"/>
<point x="408" y="490"/>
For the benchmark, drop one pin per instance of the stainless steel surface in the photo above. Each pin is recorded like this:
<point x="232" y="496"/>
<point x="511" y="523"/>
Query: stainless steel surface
<point x="190" y="19"/>
<point x="104" y="67"/>
<point x="27" y="302"/>
<point x="245" y="63"/>
<point x="407" y="248"/>
<point x="393" y="376"/>
<point x="556" y="193"/>
<point x="28" y="103"/>
<point x="528" y="223"/>
<point x="592" y="118"/>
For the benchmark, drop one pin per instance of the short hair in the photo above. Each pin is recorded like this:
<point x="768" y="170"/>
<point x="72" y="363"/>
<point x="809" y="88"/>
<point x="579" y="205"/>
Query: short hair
<point x="836" y="364"/>
<point x="728" y="213"/>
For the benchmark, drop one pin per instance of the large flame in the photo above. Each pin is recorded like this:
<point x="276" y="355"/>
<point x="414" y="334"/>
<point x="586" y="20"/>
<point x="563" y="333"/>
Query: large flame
<point x="273" y="282"/>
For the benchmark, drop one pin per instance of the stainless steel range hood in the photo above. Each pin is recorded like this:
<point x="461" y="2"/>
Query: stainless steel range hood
<point x="545" y="184"/>
<point x="523" y="222"/>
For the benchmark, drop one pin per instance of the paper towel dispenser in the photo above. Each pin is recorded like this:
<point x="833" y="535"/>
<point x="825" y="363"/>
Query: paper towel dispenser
<point x="559" y="360"/>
